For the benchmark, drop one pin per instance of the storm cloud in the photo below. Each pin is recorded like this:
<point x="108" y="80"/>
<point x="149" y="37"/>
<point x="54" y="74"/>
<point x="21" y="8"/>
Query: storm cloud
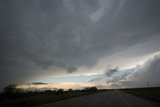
<point x="138" y="76"/>
<point x="114" y="75"/>
<point x="41" y="38"/>
<point x="149" y="72"/>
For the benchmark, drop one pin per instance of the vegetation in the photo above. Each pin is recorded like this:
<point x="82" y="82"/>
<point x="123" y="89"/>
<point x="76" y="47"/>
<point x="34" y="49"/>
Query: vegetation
<point x="90" y="89"/>
<point x="11" y="96"/>
<point x="152" y="93"/>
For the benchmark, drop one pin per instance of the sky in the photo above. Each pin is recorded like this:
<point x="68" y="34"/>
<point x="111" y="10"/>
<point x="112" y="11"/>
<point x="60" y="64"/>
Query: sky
<point x="72" y="44"/>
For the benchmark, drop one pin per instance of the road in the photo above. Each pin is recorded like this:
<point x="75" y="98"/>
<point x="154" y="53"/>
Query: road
<point x="105" y="99"/>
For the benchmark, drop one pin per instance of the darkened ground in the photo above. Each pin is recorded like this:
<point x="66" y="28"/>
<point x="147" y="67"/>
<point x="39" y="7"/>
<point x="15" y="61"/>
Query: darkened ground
<point x="152" y="93"/>
<point x="12" y="96"/>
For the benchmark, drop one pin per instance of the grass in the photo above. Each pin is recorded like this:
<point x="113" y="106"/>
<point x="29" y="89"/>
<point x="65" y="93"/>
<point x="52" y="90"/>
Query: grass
<point x="12" y="97"/>
<point x="41" y="98"/>
<point x="151" y="93"/>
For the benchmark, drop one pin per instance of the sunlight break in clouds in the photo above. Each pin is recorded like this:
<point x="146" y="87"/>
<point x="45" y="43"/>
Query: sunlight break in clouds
<point x="53" y="86"/>
<point x="111" y="78"/>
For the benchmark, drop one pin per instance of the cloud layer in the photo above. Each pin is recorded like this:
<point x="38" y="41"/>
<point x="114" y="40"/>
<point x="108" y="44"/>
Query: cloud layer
<point x="139" y="76"/>
<point x="41" y="38"/>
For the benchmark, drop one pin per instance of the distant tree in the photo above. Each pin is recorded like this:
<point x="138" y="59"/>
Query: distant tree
<point x="12" y="92"/>
<point x="10" y="89"/>
<point x="93" y="89"/>
<point x="60" y="91"/>
<point x="90" y="89"/>
<point x="70" y="90"/>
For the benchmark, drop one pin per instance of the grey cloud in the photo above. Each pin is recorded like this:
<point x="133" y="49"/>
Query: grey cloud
<point x="71" y="69"/>
<point x="118" y="78"/>
<point x="149" y="72"/>
<point x="107" y="74"/>
<point x="96" y="79"/>
<point x="115" y="77"/>
<point x="111" y="72"/>
<point x="38" y="35"/>
<point x="37" y="83"/>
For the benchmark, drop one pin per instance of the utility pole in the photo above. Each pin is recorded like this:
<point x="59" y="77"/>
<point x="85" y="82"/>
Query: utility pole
<point x="148" y="84"/>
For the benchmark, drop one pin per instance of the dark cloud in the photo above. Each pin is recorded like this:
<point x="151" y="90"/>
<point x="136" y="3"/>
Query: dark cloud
<point x="112" y="76"/>
<point x="37" y="83"/>
<point x="96" y="79"/>
<point x="43" y="37"/>
<point x="108" y="76"/>
<point x="71" y="69"/>
<point x="111" y="72"/>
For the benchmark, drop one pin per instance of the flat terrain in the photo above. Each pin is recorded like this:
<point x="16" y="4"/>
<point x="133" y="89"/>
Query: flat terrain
<point x="113" y="98"/>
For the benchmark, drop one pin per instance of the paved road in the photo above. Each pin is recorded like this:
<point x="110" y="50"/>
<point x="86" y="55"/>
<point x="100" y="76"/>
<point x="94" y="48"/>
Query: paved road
<point x="106" y="99"/>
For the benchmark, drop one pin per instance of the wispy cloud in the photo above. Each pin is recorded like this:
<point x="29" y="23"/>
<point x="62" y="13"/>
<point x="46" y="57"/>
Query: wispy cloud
<point x="111" y="72"/>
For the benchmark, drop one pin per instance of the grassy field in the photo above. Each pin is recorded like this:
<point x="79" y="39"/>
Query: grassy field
<point x="151" y="93"/>
<point x="12" y="97"/>
<point x="40" y="98"/>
